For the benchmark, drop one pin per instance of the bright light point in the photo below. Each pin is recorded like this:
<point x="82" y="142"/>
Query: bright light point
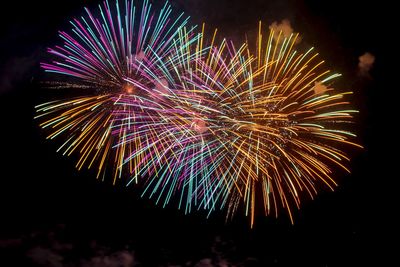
<point x="128" y="88"/>
<point x="199" y="125"/>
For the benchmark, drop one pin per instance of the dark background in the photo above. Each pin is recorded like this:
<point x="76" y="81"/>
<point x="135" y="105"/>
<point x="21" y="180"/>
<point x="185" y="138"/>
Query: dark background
<point x="44" y="201"/>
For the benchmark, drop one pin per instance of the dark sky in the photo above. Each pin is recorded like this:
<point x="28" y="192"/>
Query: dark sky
<point x="53" y="215"/>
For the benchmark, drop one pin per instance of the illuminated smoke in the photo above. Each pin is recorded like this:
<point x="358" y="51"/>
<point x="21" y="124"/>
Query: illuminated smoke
<point x="365" y="63"/>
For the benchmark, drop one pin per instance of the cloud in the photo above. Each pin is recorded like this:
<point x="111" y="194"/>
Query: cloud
<point x="365" y="63"/>
<point x="45" y="257"/>
<point x="52" y="248"/>
<point x="57" y="247"/>
<point x="284" y="27"/>
<point x="204" y="263"/>
<point x="48" y="257"/>
<point x="15" y="71"/>
<point x="13" y="242"/>
<point x="117" y="259"/>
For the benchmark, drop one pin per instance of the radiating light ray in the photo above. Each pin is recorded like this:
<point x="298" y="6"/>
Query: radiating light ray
<point x="100" y="53"/>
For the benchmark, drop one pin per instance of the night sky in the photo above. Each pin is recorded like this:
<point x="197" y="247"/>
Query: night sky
<point x="53" y="215"/>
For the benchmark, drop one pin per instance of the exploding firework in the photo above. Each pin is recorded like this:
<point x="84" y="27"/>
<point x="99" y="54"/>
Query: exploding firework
<point x="290" y="126"/>
<point x="103" y="51"/>
<point x="218" y="126"/>
<point x="253" y="129"/>
<point x="176" y="161"/>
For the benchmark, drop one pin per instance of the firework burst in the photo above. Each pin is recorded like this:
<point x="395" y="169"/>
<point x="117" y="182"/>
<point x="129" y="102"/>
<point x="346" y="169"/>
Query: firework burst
<point x="258" y="129"/>
<point x="103" y="51"/>
<point x="290" y="126"/>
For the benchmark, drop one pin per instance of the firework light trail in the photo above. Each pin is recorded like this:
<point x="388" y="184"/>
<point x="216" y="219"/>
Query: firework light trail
<point x="202" y="122"/>
<point x="287" y="127"/>
<point x="258" y="129"/>
<point x="180" y="161"/>
<point x="103" y="50"/>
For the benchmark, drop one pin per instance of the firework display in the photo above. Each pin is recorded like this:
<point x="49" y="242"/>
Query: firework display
<point x="205" y="123"/>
